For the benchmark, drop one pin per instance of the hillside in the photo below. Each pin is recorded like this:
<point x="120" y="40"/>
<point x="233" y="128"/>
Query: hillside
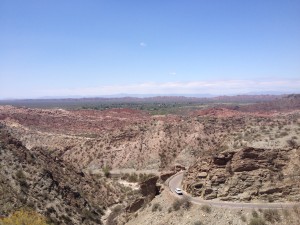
<point x="36" y="179"/>
<point x="286" y="103"/>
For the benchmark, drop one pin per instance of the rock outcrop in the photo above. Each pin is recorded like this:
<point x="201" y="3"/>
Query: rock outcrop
<point x="246" y="174"/>
<point x="149" y="187"/>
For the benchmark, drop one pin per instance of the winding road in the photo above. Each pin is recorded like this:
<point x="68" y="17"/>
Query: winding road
<point x="175" y="181"/>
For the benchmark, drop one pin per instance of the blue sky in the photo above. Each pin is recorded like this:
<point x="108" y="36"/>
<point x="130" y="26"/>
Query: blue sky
<point x="94" y="47"/>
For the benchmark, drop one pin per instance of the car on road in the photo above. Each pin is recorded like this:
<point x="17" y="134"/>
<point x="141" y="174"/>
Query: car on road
<point x="178" y="191"/>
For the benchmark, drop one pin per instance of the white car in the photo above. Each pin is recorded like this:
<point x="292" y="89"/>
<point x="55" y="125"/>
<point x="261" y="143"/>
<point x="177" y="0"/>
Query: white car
<point x="178" y="191"/>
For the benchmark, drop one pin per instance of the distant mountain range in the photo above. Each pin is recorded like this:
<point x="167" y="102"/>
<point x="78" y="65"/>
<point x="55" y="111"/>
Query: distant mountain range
<point x="124" y="95"/>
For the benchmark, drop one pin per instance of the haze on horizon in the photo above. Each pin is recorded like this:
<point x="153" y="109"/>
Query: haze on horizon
<point x="93" y="48"/>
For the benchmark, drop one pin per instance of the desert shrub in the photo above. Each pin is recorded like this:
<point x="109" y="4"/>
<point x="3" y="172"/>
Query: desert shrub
<point x="263" y="128"/>
<point x="133" y="177"/>
<point x="270" y="198"/>
<point x="284" y="133"/>
<point x="24" y="185"/>
<point x="155" y="207"/>
<point x="271" y="215"/>
<point x="111" y="219"/>
<point x="20" y="175"/>
<point x="183" y="202"/>
<point x="186" y="202"/>
<point x="243" y="218"/>
<point x="176" y="204"/>
<point x="296" y="209"/>
<point x="90" y="215"/>
<point x="24" y="217"/>
<point x="206" y="208"/>
<point x="198" y="222"/>
<point x="106" y="171"/>
<point x="143" y="176"/>
<point x="254" y="213"/>
<point x="30" y="205"/>
<point x="257" y="221"/>
<point x="22" y="180"/>
<point x="66" y="219"/>
<point x="124" y="176"/>
<point x="292" y="143"/>
<point x="280" y="176"/>
<point x="229" y="168"/>
<point x="286" y="213"/>
<point x="239" y="213"/>
<point x="223" y="148"/>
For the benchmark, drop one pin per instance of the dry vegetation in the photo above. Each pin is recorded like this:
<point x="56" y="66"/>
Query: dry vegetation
<point x="24" y="217"/>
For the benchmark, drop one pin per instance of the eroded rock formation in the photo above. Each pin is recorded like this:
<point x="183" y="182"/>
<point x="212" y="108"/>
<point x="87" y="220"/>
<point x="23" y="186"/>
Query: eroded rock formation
<point x="247" y="174"/>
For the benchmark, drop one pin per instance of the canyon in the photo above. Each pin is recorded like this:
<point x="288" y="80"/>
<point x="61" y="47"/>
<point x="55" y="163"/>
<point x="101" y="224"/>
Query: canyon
<point x="52" y="159"/>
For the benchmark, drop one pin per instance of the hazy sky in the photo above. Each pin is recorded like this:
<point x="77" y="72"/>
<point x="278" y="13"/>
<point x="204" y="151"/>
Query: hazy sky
<point x="94" y="47"/>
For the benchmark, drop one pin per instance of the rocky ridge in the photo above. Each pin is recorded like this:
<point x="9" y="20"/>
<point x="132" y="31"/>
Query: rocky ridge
<point x="247" y="174"/>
